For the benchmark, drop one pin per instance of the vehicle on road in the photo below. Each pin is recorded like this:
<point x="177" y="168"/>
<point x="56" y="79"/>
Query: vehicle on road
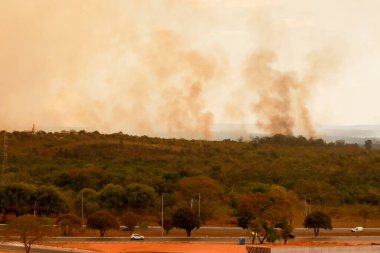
<point x="291" y="236"/>
<point x="357" y="229"/>
<point x="137" y="237"/>
<point x="125" y="228"/>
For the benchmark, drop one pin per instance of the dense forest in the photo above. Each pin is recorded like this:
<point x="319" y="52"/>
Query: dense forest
<point x="49" y="173"/>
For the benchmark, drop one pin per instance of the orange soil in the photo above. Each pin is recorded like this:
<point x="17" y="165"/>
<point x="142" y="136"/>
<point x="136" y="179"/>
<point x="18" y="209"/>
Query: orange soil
<point x="184" y="247"/>
<point x="158" y="247"/>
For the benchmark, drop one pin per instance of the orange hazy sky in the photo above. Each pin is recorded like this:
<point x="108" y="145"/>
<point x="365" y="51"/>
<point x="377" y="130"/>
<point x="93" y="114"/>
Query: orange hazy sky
<point x="178" y="68"/>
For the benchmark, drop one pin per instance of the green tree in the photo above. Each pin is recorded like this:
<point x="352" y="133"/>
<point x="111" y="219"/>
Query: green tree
<point x="268" y="211"/>
<point x="260" y="229"/>
<point x="139" y="196"/>
<point x="318" y="191"/>
<point x="112" y="197"/>
<point x="90" y="202"/>
<point x="274" y="235"/>
<point x="250" y="206"/>
<point x="17" y="198"/>
<point x="317" y="220"/>
<point x="168" y="223"/>
<point x="258" y="187"/>
<point x="68" y="222"/>
<point x="144" y="225"/>
<point x="50" y="201"/>
<point x="28" y="229"/>
<point x="282" y="204"/>
<point x="208" y="191"/>
<point x="102" y="220"/>
<point x="285" y="229"/>
<point x="184" y="218"/>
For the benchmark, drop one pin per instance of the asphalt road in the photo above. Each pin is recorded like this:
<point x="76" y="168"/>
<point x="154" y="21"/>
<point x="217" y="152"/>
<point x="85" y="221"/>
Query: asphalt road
<point x="337" y="230"/>
<point x="351" y="237"/>
<point x="43" y="249"/>
<point x="296" y="230"/>
<point x="373" y="239"/>
<point x="345" y="234"/>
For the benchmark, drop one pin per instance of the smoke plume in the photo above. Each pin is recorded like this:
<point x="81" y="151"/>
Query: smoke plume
<point x="281" y="106"/>
<point x="110" y="66"/>
<point x="275" y="92"/>
<point x="162" y="68"/>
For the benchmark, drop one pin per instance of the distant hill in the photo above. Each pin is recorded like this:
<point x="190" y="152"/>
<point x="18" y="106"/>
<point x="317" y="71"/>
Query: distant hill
<point x="77" y="159"/>
<point x="350" y="134"/>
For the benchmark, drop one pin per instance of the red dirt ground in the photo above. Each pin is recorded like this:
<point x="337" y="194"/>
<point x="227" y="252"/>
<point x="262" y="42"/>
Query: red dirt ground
<point x="184" y="247"/>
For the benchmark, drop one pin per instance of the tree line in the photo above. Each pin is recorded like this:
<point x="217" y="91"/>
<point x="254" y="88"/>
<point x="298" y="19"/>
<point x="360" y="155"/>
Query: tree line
<point x="121" y="173"/>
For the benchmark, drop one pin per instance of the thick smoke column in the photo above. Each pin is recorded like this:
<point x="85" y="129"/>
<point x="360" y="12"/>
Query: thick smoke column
<point x="282" y="96"/>
<point x="182" y="73"/>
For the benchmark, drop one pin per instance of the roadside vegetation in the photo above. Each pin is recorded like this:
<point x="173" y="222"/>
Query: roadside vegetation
<point x="268" y="182"/>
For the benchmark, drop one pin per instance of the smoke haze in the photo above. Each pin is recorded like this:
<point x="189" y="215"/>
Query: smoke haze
<point x="161" y="68"/>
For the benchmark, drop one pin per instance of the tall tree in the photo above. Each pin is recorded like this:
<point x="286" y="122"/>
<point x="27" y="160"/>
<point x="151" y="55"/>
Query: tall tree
<point x="90" y="199"/>
<point x="285" y="229"/>
<point x="112" y="197"/>
<point x="139" y="196"/>
<point x="283" y="201"/>
<point x="50" y="200"/>
<point x="186" y="219"/>
<point x="167" y="223"/>
<point x="102" y="220"/>
<point x="68" y="222"/>
<point x="318" y="191"/>
<point x="317" y="220"/>
<point x="28" y="229"/>
<point x="260" y="229"/>
<point x="250" y="206"/>
<point x="17" y="198"/>
<point x="204" y="192"/>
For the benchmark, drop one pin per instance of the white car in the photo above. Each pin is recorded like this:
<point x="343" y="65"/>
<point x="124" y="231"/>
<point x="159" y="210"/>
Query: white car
<point x="137" y="237"/>
<point x="357" y="229"/>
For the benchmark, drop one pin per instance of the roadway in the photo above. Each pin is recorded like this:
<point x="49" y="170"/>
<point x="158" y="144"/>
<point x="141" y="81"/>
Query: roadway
<point x="373" y="239"/>
<point x="296" y="230"/>
<point x="336" y="234"/>
<point x="305" y="235"/>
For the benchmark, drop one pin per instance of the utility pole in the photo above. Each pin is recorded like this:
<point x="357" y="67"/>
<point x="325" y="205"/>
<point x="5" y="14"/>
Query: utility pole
<point x="310" y="206"/>
<point x="305" y="207"/>
<point x="162" y="215"/>
<point x="199" y="205"/>
<point x="82" y="211"/>
<point x="191" y="204"/>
